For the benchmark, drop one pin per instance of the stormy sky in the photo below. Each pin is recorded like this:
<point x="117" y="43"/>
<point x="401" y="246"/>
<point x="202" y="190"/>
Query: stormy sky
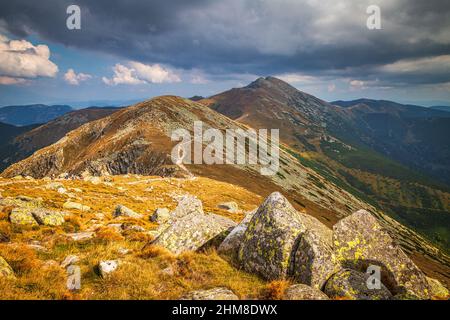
<point x="136" y="49"/>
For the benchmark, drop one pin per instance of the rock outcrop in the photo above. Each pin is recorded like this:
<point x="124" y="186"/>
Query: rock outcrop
<point x="48" y="218"/>
<point x="304" y="292"/>
<point x="22" y="216"/>
<point x="126" y="212"/>
<point x="211" y="294"/>
<point x="360" y="241"/>
<point x="281" y="242"/>
<point x="352" y="285"/>
<point x="194" y="231"/>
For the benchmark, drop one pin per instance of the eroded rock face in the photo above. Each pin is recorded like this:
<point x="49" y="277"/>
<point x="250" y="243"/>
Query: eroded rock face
<point x="5" y="269"/>
<point x="211" y="294"/>
<point x="352" y="285"/>
<point x="303" y="292"/>
<point x="194" y="231"/>
<point x="231" y="245"/>
<point x="280" y="242"/>
<point x="22" y="216"/>
<point x="48" y="218"/>
<point x="360" y="241"/>
<point x="126" y="212"/>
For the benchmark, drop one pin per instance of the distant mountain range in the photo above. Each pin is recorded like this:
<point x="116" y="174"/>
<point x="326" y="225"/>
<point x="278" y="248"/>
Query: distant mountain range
<point x="31" y="114"/>
<point x="441" y="108"/>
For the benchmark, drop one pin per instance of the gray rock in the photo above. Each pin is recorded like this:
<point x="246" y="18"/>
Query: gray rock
<point x="69" y="260"/>
<point x="48" y="218"/>
<point x="231" y="206"/>
<point x="186" y="205"/>
<point x="352" y="285"/>
<point x="211" y="294"/>
<point x="360" y="241"/>
<point x="281" y="242"/>
<point x="81" y="236"/>
<point x="304" y="292"/>
<point x="22" y="216"/>
<point x="126" y="212"/>
<point x="161" y="215"/>
<point x="107" y="267"/>
<point x="232" y="243"/>
<point x="194" y="231"/>
<point x="77" y="206"/>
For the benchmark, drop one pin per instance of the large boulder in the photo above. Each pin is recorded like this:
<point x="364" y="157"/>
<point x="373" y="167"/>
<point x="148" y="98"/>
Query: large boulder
<point x="22" y="216"/>
<point x="187" y="204"/>
<point x="48" y="218"/>
<point x="5" y="269"/>
<point x="194" y="231"/>
<point x="161" y="215"/>
<point x="281" y="242"/>
<point x="211" y="294"/>
<point x="304" y="292"/>
<point x="232" y="243"/>
<point x="360" y="241"/>
<point x="349" y="284"/>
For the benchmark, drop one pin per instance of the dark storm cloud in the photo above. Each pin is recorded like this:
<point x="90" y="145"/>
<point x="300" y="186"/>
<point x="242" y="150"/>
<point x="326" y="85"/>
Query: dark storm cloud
<point x="262" y="37"/>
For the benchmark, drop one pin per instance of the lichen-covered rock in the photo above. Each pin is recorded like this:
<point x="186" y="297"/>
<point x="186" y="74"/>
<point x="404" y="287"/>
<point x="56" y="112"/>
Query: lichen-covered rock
<point x="231" y="206"/>
<point x="5" y="269"/>
<point x="107" y="267"/>
<point x="232" y="243"/>
<point x="211" y="294"/>
<point x="22" y="216"/>
<point x="48" y="218"/>
<point x="303" y="292"/>
<point x="80" y="236"/>
<point x="360" y="241"/>
<point x="281" y="242"/>
<point x="353" y="285"/>
<point x="160" y="215"/>
<point x="438" y="291"/>
<point x="70" y="260"/>
<point x="126" y="212"/>
<point x="194" y="231"/>
<point x="77" y="206"/>
<point x="187" y="204"/>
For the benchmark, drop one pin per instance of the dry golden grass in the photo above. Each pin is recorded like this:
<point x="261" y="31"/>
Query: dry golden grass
<point x="147" y="272"/>
<point x="275" y="290"/>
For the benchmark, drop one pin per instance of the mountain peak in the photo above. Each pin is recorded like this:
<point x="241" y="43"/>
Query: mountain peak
<point x="270" y="82"/>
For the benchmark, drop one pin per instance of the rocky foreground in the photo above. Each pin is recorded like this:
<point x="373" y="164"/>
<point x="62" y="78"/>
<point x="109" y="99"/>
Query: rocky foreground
<point x="151" y="238"/>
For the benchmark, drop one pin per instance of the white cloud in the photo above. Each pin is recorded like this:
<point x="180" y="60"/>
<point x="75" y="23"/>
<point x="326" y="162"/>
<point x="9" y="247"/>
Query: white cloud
<point x="21" y="60"/>
<point x="357" y="85"/>
<point x="139" y="73"/>
<point x="429" y="65"/>
<point x="74" y="79"/>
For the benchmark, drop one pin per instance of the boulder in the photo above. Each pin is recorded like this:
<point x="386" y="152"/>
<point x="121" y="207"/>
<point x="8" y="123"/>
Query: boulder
<point x="22" y="216"/>
<point x="360" y="241"/>
<point x="107" y="267"/>
<point x="48" y="218"/>
<point x="77" y="206"/>
<point x="126" y="212"/>
<point x="232" y="243"/>
<point x="161" y="215"/>
<point x="187" y="204"/>
<point x="211" y="294"/>
<point x="194" y="231"/>
<point x="438" y="291"/>
<point x="349" y="284"/>
<point x="304" y="292"/>
<point x="231" y="206"/>
<point x="281" y="242"/>
<point x="5" y="269"/>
